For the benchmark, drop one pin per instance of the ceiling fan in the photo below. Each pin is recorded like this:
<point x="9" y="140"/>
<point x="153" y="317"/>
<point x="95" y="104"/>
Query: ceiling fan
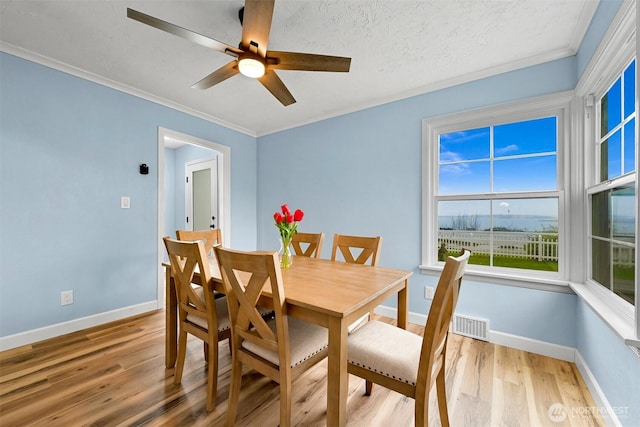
<point x="252" y="57"/>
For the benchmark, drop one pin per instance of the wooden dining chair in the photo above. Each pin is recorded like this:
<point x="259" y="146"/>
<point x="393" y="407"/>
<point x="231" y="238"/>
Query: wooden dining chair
<point x="199" y="312"/>
<point x="357" y="250"/>
<point x="313" y="242"/>
<point x="281" y="348"/>
<point x="403" y="361"/>
<point x="211" y="237"/>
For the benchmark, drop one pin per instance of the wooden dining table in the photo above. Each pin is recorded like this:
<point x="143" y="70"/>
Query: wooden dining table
<point x="328" y="293"/>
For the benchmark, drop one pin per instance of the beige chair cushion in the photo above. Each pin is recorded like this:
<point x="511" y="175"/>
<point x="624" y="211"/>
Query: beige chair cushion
<point x="306" y="340"/>
<point x="221" y="311"/>
<point x="387" y="350"/>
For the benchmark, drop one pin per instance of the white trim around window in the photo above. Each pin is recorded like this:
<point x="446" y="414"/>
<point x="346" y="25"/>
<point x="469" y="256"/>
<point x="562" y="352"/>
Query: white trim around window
<point x="549" y="105"/>
<point x="618" y="47"/>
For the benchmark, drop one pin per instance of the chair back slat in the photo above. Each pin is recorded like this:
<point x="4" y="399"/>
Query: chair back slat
<point x="245" y="275"/>
<point x="186" y="258"/>
<point x="307" y="244"/>
<point x="211" y="238"/>
<point x="356" y="249"/>
<point x="436" y="330"/>
<point x="264" y="345"/>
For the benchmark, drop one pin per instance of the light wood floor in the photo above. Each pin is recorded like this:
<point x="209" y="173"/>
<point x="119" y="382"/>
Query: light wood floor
<point x="114" y="374"/>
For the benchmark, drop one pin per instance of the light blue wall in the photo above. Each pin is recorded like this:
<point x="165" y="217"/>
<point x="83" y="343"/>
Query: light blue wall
<point x="69" y="149"/>
<point x="614" y="366"/>
<point x="361" y="174"/>
<point x="605" y="13"/>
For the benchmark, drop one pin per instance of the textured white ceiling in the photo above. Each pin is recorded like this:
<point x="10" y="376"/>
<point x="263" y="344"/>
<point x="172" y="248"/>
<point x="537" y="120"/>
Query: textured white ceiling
<point x="399" y="48"/>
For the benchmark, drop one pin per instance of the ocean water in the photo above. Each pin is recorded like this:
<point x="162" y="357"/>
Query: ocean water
<point x="509" y="222"/>
<point x="623" y="226"/>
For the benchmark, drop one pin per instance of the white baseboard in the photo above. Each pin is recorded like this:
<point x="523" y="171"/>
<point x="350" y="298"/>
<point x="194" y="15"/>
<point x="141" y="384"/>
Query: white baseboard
<point x="29" y="337"/>
<point x="533" y="346"/>
<point x="415" y="318"/>
<point x="569" y="354"/>
<point x="602" y="404"/>
<point x="514" y="341"/>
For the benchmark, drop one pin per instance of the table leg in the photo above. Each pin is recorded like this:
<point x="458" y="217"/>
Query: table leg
<point x="403" y="305"/>
<point x="337" y="376"/>
<point x="171" y="320"/>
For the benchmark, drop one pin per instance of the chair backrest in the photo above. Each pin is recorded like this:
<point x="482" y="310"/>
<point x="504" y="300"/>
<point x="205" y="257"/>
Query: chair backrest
<point x="313" y="240"/>
<point x="186" y="258"/>
<point x="368" y="247"/>
<point x="211" y="238"/>
<point x="436" y="330"/>
<point x="244" y="275"/>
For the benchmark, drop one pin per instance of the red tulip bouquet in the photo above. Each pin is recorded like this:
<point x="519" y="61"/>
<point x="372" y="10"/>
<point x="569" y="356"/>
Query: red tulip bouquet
<point x="287" y="223"/>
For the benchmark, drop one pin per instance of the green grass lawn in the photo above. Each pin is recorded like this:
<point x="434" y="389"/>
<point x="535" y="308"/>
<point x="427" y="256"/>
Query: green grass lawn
<point x="511" y="262"/>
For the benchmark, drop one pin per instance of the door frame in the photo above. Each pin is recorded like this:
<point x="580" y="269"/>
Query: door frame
<point x="191" y="167"/>
<point x="224" y="195"/>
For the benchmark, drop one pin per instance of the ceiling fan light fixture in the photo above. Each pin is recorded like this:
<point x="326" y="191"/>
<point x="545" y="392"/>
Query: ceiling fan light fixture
<point x="251" y="66"/>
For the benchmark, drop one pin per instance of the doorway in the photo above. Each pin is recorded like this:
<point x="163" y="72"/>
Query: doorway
<point x="201" y="195"/>
<point x="222" y="156"/>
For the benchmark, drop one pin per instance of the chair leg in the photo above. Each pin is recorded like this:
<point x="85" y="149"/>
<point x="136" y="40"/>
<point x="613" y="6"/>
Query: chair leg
<point x="421" y="411"/>
<point x="234" y="391"/>
<point x="212" y="376"/>
<point x="182" y="353"/>
<point x="206" y="352"/>
<point x="442" y="398"/>
<point x="367" y="388"/>
<point x="285" y="402"/>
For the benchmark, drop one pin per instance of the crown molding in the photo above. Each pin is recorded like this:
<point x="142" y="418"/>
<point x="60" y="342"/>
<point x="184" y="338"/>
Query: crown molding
<point x="77" y="72"/>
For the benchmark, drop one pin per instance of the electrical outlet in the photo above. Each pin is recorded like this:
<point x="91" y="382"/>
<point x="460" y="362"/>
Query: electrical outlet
<point x="66" y="297"/>
<point x="429" y="292"/>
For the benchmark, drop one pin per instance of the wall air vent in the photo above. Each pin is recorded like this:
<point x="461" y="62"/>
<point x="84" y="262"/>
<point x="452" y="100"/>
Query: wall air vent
<point x="471" y="327"/>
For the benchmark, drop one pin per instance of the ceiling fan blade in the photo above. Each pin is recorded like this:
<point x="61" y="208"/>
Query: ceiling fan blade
<point x="307" y="62"/>
<point x="272" y="82"/>
<point x="256" y="24"/>
<point x="183" y="32"/>
<point x="219" y="75"/>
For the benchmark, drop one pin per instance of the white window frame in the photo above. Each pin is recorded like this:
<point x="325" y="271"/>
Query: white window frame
<point x="549" y="105"/>
<point x="617" y="48"/>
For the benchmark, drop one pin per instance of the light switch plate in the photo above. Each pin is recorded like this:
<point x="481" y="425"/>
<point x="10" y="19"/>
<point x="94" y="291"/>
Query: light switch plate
<point x="429" y="292"/>
<point x="66" y="297"/>
<point x="125" y="202"/>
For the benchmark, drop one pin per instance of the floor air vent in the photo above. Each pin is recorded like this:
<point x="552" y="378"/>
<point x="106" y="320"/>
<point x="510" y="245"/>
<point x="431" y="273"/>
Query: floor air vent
<point x="471" y="327"/>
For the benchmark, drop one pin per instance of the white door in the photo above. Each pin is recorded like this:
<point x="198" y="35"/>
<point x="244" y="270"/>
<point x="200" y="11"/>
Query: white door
<point x="201" y="209"/>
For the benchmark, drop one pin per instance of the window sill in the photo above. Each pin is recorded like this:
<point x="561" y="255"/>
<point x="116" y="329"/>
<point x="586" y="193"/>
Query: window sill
<point x="614" y="313"/>
<point x="542" y="282"/>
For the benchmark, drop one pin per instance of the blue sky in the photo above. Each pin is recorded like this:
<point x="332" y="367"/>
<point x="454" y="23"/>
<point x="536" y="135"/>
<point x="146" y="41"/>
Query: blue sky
<point x="524" y="158"/>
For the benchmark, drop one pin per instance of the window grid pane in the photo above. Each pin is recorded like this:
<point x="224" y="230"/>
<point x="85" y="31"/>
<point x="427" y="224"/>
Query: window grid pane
<point x="512" y="233"/>
<point x="610" y="108"/>
<point x="629" y="160"/>
<point x="509" y="158"/>
<point x="617" y="127"/>
<point x="613" y="228"/>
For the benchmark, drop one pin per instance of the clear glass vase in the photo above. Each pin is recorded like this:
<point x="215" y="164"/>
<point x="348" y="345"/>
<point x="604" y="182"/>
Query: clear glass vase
<point x="285" y="254"/>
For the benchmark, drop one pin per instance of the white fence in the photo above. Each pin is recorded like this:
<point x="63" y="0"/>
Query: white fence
<point x="517" y="244"/>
